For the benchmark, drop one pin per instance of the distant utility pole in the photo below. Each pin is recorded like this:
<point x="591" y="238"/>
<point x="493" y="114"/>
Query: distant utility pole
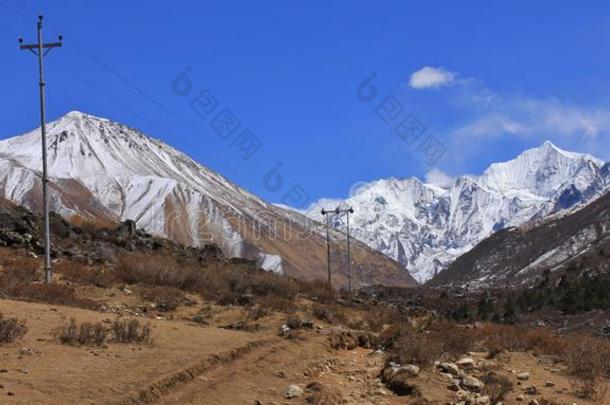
<point x="325" y="213"/>
<point x="40" y="49"/>
<point x="347" y="211"/>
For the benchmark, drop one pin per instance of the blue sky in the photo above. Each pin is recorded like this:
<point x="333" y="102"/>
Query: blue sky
<point x="486" y="79"/>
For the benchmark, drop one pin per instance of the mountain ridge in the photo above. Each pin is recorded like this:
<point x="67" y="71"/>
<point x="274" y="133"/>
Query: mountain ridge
<point x="102" y="169"/>
<point x="425" y="226"/>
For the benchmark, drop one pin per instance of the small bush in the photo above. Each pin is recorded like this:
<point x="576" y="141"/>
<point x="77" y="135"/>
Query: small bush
<point x="416" y="348"/>
<point x="293" y="321"/>
<point x="328" y="313"/>
<point x="256" y="313"/>
<point x="87" y="334"/>
<point x="16" y="271"/>
<point x="496" y="387"/>
<point x="164" y="298"/>
<point x="444" y="341"/>
<point x="11" y="329"/>
<point x="130" y="331"/>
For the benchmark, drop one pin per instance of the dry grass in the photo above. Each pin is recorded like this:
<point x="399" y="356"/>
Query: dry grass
<point x="54" y="294"/>
<point x="92" y="226"/>
<point x="85" y="334"/>
<point x="226" y="283"/>
<point x="11" y="329"/>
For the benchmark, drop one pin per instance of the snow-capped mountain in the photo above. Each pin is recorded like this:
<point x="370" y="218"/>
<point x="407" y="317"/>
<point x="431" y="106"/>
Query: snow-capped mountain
<point x="106" y="171"/>
<point x="426" y="226"/>
<point x="570" y="243"/>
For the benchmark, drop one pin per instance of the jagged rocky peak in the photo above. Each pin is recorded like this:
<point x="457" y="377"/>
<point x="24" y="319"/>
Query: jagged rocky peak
<point x="426" y="226"/>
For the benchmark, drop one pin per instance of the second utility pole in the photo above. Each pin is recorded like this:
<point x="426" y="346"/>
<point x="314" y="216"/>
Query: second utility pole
<point x="40" y="49"/>
<point x="325" y="213"/>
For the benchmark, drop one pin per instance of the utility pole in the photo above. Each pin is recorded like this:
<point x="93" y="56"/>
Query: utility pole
<point x="326" y="213"/>
<point x="347" y="211"/>
<point x="40" y="49"/>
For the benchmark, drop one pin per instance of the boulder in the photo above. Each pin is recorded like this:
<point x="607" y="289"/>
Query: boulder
<point x="472" y="383"/>
<point x="293" y="391"/>
<point x="466" y="362"/>
<point x="449" y="368"/>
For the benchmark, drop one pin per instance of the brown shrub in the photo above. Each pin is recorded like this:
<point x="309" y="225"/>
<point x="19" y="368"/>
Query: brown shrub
<point x="332" y="314"/>
<point x="256" y="313"/>
<point x="319" y="291"/>
<point x="94" y="227"/>
<point x="55" y="294"/>
<point x="444" y="342"/>
<point x="11" y="329"/>
<point x="496" y="387"/>
<point x="381" y="316"/>
<point x="293" y="321"/>
<point x="17" y="270"/>
<point x="416" y="348"/>
<point x="82" y="274"/>
<point x="87" y="334"/>
<point x="164" y="298"/>
<point x="130" y="331"/>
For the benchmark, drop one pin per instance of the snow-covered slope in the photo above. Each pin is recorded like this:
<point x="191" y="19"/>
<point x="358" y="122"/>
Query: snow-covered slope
<point x="105" y="170"/>
<point x="426" y="226"/>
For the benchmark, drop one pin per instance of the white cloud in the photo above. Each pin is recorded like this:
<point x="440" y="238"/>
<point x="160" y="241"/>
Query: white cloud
<point x="429" y="77"/>
<point x="538" y="118"/>
<point x="439" y="178"/>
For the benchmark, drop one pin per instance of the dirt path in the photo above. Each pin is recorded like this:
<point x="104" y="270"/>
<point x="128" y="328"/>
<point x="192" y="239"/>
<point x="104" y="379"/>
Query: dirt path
<point x="348" y="377"/>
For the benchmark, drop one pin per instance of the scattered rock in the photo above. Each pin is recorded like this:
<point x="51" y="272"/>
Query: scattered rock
<point x="449" y="368"/>
<point x="524" y="376"/>
<point x="397" y="378"/>
<point x="454" y="387"/>
<point x="466" y="362"/>
<point x="483" y="400"/>
<point x="549" y="384"/>
<point x="26" y="351"/>
<point x="472" y="383"/>
<point x="531" y="390"/>
<point x="293" y="391"/>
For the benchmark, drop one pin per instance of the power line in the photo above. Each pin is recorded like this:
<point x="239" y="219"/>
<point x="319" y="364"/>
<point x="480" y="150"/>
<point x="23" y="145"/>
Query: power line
<point x="41" y="49"/>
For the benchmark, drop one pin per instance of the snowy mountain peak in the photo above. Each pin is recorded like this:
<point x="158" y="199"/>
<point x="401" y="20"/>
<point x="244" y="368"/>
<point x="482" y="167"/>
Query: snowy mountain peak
<point x="426" y="226"/>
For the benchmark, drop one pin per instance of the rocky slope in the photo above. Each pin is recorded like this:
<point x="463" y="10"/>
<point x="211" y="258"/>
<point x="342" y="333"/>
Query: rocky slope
<point x="426" y="227"/>
<point x="518" y="256"/>
<point x="105" y="171"/>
